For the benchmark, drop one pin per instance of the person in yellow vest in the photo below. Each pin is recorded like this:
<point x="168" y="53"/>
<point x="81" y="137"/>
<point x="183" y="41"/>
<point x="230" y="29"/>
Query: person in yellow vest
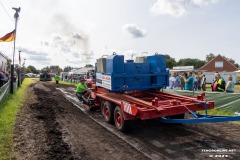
<point x="57" y="78"/>
<point x="219" y="83"/>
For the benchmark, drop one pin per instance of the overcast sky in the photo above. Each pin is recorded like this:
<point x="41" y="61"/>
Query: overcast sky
<point x="77" y="32"/>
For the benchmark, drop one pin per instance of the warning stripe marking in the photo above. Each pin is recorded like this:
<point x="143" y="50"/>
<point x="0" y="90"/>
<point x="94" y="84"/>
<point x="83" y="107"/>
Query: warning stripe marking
<point x="127" y="107"/>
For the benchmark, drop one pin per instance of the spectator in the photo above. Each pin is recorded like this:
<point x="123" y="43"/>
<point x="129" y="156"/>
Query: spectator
<point x="7" y="76"/>
<point x="177" y="81"/>
<point x="200" y="76"/>
<point x="57" y="78"/>
<point x="213" y="82"/>
<point x="189" y="82"/>
<point x="195" y="81"/>
<point x="182" y="82"/>
<point x="219" y="83"/>
<point x="3" y="79"/>
<point x="230" y="85"/>
<point x="203" y="83"/>
<point x="171" y="81"/>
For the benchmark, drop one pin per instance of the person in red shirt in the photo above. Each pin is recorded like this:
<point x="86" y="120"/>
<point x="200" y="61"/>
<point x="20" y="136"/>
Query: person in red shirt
<point x="89" y="82"/>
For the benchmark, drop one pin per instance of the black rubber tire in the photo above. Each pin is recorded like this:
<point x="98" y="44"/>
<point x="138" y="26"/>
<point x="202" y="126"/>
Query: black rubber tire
<point x="110" y="107"/>
<point x="124" y="124"/>
<point x="101" y="107"/>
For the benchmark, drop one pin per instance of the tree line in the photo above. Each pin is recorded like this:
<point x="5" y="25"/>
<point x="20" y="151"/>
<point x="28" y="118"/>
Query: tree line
<point x="197" y="63"/>
<point x="53" y="68"/>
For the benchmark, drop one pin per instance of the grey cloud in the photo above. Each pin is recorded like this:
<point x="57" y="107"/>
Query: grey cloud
<point x="39" y="58"/>
<point x="31" y="52"/>
<point x="76" y="54"/>
<point x="134" y="30"/>
<point x="65" y="48"/>
<point x="44" y="43"/>
<point x="35" y="55"/>
<point x="68" y="37"/>
<point x="76" y="36"/>
<point x="62" y="24"/>
<point x="57" y="38"/>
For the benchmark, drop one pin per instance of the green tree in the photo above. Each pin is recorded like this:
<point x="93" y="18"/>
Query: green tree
<point x="232" y="61"/>
<point x="88" y="65"/>
<point x="197" y="63"/>
<point x="209" y="57"/>
<point x="55" y="69"/>
<point x="28" y="70"/>
<point x="31" y="69"/>
<point x="9" y="61"/>
<point x="67" y="69"/>
<point x="170" y="62"/>
<point x="236" y="65"/>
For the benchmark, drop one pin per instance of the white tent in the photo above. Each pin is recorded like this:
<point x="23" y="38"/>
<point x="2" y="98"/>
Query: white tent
<point x="238" y="71"/>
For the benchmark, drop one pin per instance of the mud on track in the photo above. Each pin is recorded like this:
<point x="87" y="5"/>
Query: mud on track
<point x="51" y="127"/>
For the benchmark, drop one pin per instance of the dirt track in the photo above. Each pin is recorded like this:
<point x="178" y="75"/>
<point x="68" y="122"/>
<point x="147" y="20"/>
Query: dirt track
<point x="49" y="126"/>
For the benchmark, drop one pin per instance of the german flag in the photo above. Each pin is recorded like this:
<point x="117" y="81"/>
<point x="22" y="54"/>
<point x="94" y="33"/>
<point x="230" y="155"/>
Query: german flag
<point x="8" y="37"/>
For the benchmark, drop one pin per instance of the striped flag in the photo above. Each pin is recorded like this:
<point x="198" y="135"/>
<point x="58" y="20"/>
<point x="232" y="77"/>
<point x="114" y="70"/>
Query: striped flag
<point x="8" y="37"/>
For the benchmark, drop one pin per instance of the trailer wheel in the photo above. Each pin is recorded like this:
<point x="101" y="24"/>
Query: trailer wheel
<point x="108" y="111"/>
<point x="102" y="106"/>
<point x="120" y="123"/>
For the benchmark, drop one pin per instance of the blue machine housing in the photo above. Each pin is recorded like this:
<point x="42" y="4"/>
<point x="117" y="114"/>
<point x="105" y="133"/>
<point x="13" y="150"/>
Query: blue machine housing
<point x="120" y="76"/>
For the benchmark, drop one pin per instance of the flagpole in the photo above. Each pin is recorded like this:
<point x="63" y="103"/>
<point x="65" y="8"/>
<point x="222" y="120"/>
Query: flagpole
<point x="16" y="15"/>
<point x="19" y="71"/>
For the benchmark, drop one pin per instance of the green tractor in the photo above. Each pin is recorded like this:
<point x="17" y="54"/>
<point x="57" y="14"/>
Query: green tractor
<point x="45" y="76"/>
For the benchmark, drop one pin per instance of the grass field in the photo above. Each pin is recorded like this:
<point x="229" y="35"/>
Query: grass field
<point x="68" y="83"/>
<point x="9" y="107"/>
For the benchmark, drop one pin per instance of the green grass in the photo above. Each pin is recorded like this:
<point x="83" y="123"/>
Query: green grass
<point x="220" y="113"/>
<point x="68" y="83"/>
<point x="9" y="107"/>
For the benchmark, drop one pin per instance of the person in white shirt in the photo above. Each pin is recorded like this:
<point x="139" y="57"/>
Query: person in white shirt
<point x="172" y="79"/>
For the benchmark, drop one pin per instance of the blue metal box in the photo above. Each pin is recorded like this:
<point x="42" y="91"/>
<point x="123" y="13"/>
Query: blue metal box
<point x="120" y="76"/>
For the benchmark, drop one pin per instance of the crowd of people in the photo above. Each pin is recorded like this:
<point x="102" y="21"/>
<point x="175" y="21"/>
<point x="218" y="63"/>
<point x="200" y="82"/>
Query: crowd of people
<point x="187" y="81"/>
<point x="197" y="81"/>
<point x="4" y="77"/>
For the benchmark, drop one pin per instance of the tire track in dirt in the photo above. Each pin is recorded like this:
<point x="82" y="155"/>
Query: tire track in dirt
<point x="37" y="133"/>
<point x="130" y="141"/>
<point x="51" y="127"/>
<point x="173" y="141"/>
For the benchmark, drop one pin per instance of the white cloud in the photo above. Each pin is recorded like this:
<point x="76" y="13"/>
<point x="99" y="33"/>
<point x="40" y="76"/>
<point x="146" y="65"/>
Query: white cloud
<point x="203" y="2"/>
<point x="134" y="30"/>
<point x="177" y="8"/>
<point x="60" y="49"/>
